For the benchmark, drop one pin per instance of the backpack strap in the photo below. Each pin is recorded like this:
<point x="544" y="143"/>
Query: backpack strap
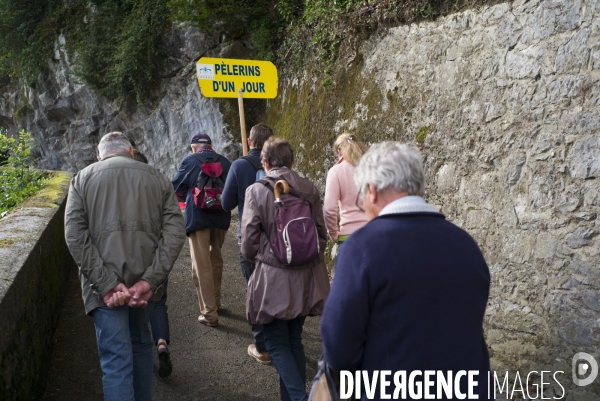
<point x="205" y="159"/>
<point x="257" y="165"/>
<point x="266" y="184"/>
<point x="292" y="191"/>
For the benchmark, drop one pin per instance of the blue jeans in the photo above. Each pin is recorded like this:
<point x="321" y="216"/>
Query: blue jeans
<point x="125" y="350"/>
<point x="283" y="339"/>
<point x="159" y="320"/>
<point x="257" y="329"/>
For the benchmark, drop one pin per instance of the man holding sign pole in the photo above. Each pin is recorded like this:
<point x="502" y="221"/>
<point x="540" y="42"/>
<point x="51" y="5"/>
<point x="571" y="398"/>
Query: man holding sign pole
<point x="244" y="172"/>
<point x="251" y="79"/>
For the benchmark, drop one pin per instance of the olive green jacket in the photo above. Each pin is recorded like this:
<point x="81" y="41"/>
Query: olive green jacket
<point x="122" y="225"/>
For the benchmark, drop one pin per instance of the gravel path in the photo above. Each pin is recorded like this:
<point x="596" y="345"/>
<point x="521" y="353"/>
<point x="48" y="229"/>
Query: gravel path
<point x="208" y="363"/>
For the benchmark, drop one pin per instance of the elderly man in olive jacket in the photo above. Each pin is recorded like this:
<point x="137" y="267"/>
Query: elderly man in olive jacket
<point x="124" y="229"/>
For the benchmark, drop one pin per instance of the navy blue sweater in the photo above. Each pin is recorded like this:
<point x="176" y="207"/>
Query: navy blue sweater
<point x="409" y="293"/>
<point x="185" y="181"/>
<point x="240" y="177"/>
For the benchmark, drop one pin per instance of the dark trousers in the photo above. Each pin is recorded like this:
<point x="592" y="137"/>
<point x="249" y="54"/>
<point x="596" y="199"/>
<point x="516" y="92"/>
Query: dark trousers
<point x="257" y="329"/>
<point x="159" y="321"/>
<point x="284" y="343"/>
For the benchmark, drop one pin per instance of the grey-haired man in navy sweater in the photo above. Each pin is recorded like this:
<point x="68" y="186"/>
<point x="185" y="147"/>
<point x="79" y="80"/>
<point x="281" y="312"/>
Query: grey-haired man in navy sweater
<point x="410" y="291"/>
<point x="243" y="173"/>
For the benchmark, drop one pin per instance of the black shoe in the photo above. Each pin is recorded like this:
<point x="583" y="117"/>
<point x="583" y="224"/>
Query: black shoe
<point x="164" y="362"/>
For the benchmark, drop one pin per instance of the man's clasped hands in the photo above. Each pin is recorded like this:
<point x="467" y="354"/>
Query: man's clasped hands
<point x="136" y="296"/>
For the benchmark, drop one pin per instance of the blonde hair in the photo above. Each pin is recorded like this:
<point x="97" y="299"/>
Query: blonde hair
<point x="351" y="149"/>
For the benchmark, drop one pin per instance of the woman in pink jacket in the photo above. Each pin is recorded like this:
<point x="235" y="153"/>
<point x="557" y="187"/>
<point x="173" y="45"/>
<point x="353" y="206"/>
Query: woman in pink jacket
<point x="341" y="192"/>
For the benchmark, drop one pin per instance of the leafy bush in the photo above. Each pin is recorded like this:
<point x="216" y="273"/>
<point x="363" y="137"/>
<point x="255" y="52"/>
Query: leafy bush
<point x="26" y="43"/>
<point x="116" y="44"/>
<point x="264" y="20"/>
<point x="119" y="46"/>
<point x="18" y="179"/>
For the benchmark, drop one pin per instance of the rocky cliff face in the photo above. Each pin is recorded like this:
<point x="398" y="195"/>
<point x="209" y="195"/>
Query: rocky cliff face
<point x="67" y="118"/>
<point x="504" y="103"/>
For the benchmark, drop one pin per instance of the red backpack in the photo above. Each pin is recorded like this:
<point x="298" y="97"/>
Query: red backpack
<point x="209" y="185"/>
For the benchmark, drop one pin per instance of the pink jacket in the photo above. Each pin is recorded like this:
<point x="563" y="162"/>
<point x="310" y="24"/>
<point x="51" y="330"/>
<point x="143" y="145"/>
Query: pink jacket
<point x="340" y="191"/>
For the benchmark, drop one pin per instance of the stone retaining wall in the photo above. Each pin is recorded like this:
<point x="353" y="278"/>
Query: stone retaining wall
<point x="34" y="267"/>
<point x="504" y="104"/>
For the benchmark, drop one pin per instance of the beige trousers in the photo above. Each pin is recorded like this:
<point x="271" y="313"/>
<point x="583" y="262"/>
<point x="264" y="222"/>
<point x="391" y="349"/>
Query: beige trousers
<point x="207" y="268"/>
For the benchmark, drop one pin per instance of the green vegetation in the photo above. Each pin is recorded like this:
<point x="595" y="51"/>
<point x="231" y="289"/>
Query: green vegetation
<point x="117" y="46"/>
<point x="18" y="179"/>
<point x="264" y="21"/>
<point x="288" y="32"/>
<point x="422" y="133"/>
<point x="293" y="33"/>
<point x="26" y="43"/>
<point x="49" y="194"/>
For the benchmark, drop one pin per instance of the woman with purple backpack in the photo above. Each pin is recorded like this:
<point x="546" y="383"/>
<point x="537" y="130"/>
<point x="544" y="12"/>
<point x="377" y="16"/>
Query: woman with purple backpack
<point x="289" y="281"/>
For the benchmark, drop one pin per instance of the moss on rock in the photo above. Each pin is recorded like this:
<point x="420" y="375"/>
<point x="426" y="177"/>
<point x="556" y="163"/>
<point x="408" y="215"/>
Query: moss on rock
<point x="51" y="193"/>
<point x="311" y="116"/>
<point x="10" y="242"/>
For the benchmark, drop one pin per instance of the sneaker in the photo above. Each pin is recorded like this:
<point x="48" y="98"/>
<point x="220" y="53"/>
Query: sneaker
<point x="164" y="362"/>
<point x="210" y="323"/>
<point x="261" y="357"/>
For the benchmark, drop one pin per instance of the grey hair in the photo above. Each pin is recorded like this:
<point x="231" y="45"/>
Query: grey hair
<point x="113" y="142"/>
<point x="391" y="165"/>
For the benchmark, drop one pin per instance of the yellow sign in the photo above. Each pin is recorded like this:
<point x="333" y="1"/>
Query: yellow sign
<point x="223" y="77"/>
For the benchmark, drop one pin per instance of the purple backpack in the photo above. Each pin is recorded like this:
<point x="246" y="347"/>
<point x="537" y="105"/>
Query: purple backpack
<point x="296" y="242"/>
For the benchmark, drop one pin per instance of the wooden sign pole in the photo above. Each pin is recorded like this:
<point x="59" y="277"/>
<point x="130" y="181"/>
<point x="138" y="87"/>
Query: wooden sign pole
<point x="242" y="122"/>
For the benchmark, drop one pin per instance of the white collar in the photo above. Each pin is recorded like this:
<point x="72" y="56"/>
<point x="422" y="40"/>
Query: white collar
<point x="408" y="204"/>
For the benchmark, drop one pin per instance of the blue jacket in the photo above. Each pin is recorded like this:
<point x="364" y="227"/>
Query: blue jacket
<point x="185" y="181"/>
<point x="409" y="293"/>
<point x="240" y="177"/>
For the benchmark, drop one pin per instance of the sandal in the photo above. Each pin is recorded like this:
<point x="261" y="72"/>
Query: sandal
<point x="164" y="359"/>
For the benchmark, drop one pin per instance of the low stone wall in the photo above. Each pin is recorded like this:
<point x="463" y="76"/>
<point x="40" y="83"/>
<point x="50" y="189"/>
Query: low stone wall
<point x="34" y="267"/>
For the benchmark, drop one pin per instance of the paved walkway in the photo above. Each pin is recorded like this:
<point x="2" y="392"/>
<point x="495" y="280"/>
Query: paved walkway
<point x="208" y="363"/>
